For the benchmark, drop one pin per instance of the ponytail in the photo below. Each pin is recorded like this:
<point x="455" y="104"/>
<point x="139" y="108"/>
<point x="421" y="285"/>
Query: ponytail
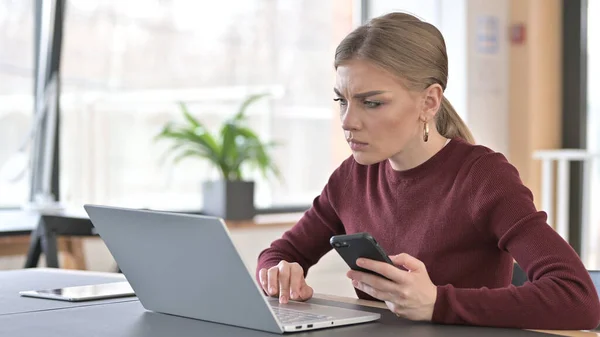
<point x="450" y="125"/>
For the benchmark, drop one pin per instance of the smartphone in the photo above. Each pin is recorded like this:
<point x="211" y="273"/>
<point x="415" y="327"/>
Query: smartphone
<point x="354" y="246"/>
<point x="83" y="293"/>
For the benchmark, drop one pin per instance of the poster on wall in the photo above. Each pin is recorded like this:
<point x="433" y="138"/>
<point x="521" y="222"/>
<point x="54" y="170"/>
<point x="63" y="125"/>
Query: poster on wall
<point x="487" y="34"/>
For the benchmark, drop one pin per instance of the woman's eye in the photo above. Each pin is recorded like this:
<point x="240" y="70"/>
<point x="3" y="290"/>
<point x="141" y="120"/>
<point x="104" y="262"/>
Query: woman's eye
<point x="372" y="104"/>
<point x="341" y="101"/>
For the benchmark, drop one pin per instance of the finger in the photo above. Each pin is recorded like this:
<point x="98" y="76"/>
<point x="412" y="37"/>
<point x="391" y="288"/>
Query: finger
<point x="397" y="310"/>
<point x="262" y="275"/>
<point x="408" y="262"/>
<point x="378" y="294"/>
<point x="306" y="292"/>
<point x="383" y="269"/>
<point x="296" y="281"/>
<point x="374" y="281"/>
<point x="273" y="281"/>
<point x="284" y="282"/>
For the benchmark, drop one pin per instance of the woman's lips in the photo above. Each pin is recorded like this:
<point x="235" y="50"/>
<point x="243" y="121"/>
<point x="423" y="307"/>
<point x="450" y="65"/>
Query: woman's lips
<point x="356" y="145"/>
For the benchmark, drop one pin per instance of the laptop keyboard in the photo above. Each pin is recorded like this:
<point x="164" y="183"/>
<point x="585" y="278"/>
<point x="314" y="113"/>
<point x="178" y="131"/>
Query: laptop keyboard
<point x="294" y="316"/>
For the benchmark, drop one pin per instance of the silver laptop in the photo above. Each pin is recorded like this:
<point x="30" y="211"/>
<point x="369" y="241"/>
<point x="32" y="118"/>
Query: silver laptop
<point x="187" y="265"/>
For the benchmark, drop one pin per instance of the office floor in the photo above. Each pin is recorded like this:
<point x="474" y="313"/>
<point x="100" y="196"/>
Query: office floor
<point x="327" y="277"/>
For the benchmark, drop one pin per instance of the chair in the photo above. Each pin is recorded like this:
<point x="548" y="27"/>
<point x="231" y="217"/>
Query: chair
<point x="519" y="277"/>
<point x="595" y="275"/>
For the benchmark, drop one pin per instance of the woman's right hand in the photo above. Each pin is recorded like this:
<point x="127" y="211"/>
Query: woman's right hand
<point x="285" y="280"/>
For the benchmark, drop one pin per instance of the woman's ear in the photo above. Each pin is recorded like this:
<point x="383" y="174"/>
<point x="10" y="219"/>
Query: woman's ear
<point x="433" y="96"/>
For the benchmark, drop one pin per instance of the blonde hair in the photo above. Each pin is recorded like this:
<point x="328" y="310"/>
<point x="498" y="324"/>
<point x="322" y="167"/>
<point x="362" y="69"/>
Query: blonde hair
<point x="414" y="51"/>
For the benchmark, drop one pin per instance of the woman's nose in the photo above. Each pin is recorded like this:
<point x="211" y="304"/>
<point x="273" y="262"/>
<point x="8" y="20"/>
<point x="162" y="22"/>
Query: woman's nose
<point x="350" y="121"/>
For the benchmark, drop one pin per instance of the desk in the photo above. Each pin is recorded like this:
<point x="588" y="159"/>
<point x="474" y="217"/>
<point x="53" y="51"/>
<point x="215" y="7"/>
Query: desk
<point x="382" y="305"/>
<point x="127" y="317"/>
<point x="34" y="233"/>
<point x="13" y="281"/>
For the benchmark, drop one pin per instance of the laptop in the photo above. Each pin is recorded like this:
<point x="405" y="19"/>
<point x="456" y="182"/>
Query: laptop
<point x="187" y="265"/>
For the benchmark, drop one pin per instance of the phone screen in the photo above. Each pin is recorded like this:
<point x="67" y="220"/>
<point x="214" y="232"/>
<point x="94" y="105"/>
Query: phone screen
<point x="87" y="292"/>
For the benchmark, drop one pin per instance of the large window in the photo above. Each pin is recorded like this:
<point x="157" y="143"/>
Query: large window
<point x="126" y="64"/>
<point x="593" y="132"/>
<point x="16" y="98"/>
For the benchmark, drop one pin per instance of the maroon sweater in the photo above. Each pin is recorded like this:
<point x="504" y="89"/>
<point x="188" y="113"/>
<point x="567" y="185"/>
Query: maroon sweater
<point x="466" y="214"/>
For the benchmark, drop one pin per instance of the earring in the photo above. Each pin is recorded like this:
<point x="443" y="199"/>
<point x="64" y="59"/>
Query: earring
<point x="425" y="132"/>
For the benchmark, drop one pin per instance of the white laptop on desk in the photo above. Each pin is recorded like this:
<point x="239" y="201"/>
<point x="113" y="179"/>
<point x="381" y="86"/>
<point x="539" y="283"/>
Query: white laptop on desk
<point x="187" y="265"/>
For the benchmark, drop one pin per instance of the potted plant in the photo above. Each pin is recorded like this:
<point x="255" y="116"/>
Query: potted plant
<point x="234" y="146"/>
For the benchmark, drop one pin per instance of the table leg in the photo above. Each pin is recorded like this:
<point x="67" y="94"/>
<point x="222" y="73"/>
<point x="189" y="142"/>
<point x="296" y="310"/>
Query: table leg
<point x="48" y="241"/>
<point x="35" y="248"/>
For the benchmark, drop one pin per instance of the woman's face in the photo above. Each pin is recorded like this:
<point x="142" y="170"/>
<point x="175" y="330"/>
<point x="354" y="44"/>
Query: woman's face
<point x="381" y="118"/>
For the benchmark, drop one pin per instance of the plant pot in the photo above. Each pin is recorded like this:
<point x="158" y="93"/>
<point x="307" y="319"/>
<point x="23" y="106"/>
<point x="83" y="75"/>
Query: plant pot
<point x="230" y="200"/>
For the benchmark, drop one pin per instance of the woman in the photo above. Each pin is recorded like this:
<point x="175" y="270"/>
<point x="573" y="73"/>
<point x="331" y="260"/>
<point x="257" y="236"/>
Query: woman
<point x="453" y="214"/>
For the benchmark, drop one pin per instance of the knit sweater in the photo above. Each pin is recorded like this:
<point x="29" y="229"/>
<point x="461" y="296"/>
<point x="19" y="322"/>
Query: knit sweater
<point x="467" y="216"/>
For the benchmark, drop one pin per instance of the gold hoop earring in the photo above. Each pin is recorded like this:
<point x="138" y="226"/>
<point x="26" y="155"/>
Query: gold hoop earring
<point x="425" y="132"/>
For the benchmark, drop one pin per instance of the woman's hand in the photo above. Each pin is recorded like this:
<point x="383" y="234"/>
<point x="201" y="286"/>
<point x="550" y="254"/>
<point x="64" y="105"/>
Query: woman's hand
<point x="285" y="280"/>
<point x="409" y="294"/>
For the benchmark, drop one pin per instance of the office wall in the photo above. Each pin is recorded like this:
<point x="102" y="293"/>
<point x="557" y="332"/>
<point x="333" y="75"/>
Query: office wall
<point x="487" y="73"/>
<point x="535" y="86"/>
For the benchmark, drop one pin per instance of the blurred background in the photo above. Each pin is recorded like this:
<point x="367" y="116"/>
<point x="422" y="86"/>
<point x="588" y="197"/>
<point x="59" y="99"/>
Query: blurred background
<point x="522" y="74"/>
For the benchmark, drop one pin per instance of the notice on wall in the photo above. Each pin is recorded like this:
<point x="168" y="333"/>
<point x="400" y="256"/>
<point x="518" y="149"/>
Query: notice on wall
<point x="487" y="34"/>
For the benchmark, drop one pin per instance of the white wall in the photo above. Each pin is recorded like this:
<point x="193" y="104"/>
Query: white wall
<point x="487" y="75"/>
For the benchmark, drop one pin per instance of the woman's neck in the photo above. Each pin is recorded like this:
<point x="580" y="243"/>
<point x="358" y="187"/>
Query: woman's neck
<point x="418" y="152"/>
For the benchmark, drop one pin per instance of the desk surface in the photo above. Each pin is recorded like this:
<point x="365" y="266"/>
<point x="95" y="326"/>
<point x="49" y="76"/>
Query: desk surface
<point x="382" y="305"/>
<point x="11" y="282"/>
<point x="19" y="222"/>
<point x="128" y="318"/>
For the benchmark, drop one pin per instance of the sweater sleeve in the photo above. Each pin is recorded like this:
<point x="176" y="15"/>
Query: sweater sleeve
<point x="560" y="293"/>
<point x="308" y="240"/>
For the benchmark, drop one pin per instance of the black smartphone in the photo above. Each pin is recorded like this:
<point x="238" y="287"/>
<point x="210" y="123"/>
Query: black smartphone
<point x="354" y="246"/>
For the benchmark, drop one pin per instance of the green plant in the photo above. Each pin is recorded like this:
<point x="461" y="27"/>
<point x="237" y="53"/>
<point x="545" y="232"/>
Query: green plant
<point x="233" y="146"/>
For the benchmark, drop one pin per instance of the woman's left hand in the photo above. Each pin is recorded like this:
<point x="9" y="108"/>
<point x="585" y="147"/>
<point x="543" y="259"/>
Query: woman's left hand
<point x="409" y="294"/>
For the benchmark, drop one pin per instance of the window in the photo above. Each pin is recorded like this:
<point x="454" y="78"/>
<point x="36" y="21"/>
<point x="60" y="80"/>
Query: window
<point x="16" y="98"/>
<point x="126" y="64"/>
